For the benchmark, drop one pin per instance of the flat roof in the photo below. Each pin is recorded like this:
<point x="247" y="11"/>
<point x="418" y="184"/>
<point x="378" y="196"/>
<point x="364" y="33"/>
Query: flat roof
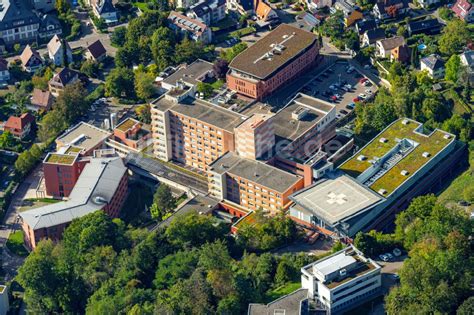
<point x="201" y="110"/>
<point x="293" y="41"/>
<point x="336" y="199"/>
<point x="127" y="124"/>
<point x="199" y="204"/>
<point x="255" y="171"/>
<point x="57" y="158"/>
<point x="411" y="162"/>
<point x="95" y="188"/>
<point x="84" y="136"/>
<point x="287" y="128"/>
<point x="190" y="74"/>
<point x="290" y="304"/>
<point x="340" y="260"/>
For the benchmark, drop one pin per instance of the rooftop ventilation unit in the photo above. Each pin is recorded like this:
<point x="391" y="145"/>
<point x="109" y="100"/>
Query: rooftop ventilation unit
<point x="343" y="272"/>
<point x="78" y="138"/>
<point x="383" y="140"/>
<point x="382" y="191"/>
<point x="404" y="173"/>
<point x="426" y="154"/>
<point x="405" y="121"/>
<point x="447" y="137"/>
<point x="299" y="113"/>
<point x="361" y="158"/>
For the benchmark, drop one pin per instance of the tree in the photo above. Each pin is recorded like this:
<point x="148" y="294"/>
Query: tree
<point x="231" y="53"/>
<point x="179" y="265"/>
<point x="453" y="66"/>
<point x="283" y="272"/>
<point x="7" y="140"/>
<point x="90" y="68"/>
<point x="205" y="88"/>
<point x="445" y="13"/>
<point x="72" y="102"/>
<point x="51" y="125"/>
<point x="467" y="307"/>
<point x="144" y="85"/>
<point x="42" y="296"/>
<point x="120" y="83"/>
<point x="62" y="6"/>
<point x="454" y="37"/>
<point x="187" y="51"/>
<point x="193" y="229"/>
<point x="118" y="36"/>
<point x="162" y="49"/>
<point x="220" y="68"/>
<point x="164" y="199"/>
<point x="144" y="113"/>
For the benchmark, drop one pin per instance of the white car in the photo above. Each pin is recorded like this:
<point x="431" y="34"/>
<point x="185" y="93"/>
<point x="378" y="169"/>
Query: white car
<point x="366" y="83"/>
<point x="362" y="96"/>
<point x="338" y="116"/>
<point x="389" y="256"/>
<point x="337" y="95"/>
<point x="382" y="257"/>
<point x="397" y="252"/>
<point x="350" y="69"/>
<point x="348" y="86"/>
<point x="367" y="67"/>
<point x="368" y="91"/>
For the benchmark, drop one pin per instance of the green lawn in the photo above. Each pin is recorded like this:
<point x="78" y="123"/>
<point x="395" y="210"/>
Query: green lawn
<point x="142" y="6"/>
<point x="217" y="84"/>
<point x="282" y="290"/>
<point x="243" y="32"/>
<point x="15" y="243"/>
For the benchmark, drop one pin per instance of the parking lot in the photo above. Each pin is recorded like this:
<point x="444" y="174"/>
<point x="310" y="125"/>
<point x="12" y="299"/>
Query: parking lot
<point x="341" y="85"/>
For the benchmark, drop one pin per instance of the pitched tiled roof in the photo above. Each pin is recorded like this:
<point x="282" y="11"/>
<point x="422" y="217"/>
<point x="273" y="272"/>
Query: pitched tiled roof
<point x="461" y="8"/>
<point x="41" y="98"/>
<point x="64" y="76"/>
<point x="27" y="53"/>
<point x="15" y="122"/>
<point x="433" y="62"/>
<point x="184" y="22"/>
<point x="262" y="10"/>
<point x="96" y="49"/>
<point x="392" y="42"/>
<point x="56" y="43"/>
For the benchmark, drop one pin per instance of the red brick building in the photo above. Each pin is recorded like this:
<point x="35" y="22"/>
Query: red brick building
<point x="102" y="185"/>
<point x="272" y="61"/>
<point x="61" y="172"/>
<point x="129" y="136"/>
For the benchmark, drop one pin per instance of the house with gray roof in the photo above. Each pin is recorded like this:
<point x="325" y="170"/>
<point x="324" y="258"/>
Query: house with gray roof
<point x="18" y="22"/>
<point x="434" y="65"/>
<point x="59" y="51"/>
<point x="104" y="9"/>
<point x="467" y="60"/>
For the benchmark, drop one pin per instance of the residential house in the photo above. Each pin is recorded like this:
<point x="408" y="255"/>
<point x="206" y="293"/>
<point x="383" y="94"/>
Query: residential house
<point x="104" y="9"/>
<point x="351" y="15"/>
<point x="363" y="26"/>
<point x="49" y="26"/>
<point x="4" y="73"/>
<point x="428" y="27"/>
<point x="390" y="8"/>
<point x="318" y="4"/>
<point x="264" y="13"/>
<point x="18" y="22"/>
<point x="96" y="51"/>
<point x="30" y="59"/>
<point x="195" y="29"/>
<point x="208" y="11"/>
<point x="61" y="79"/>
<point x="401" y="54"/>
<point x="464" y="10"/>
<point x="467" y="60"/>
<point x="41" y="100"/>
<point x="242" y="7"/>
<point x="183" y="4"/>
<point x="20" y="126"/>
<point x="59" y="51"/>
<point x="372" y="36"/>
<point x="385" y="46"/>
<point x="434" y="65"/>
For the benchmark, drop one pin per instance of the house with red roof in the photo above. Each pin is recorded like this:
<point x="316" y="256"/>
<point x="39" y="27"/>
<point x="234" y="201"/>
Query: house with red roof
<point x="464" y="10"/>
<point x="19" y="126"/>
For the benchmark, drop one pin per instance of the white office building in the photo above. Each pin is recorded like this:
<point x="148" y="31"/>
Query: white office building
<point x="342" y="281"/>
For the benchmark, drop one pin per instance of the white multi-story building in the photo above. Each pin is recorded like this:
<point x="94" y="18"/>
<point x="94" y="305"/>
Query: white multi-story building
<point x="343" y="280"/>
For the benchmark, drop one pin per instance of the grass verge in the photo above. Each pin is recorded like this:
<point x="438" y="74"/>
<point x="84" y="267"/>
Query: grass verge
<point x="15" y="244"/>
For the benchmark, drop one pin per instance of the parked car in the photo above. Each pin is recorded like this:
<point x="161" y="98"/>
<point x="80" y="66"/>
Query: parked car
<point x="345" y="89"/>
<point x="356" y="99"/>
<point x="338" y="116"/>
<point x="367" y="83"/>
<point x="367" y="67"/>
<point x="350" y="70"/>
<point x="333" y="98"/>
<point x="397" y="252"/>
<point x="313" y="238"/>
<point x="363" y="80"/>
<point x="362" y="96"/>
<point x="395" y="276"/>
<point x="383" y="257"/>
<point x="344" y="112"/>
<point x="350" y="106"/>
<point x="389" y="256"/>
<point x="348" y="86"/>
<point x="369" y="91"/>
<point x="337" y="95"/>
